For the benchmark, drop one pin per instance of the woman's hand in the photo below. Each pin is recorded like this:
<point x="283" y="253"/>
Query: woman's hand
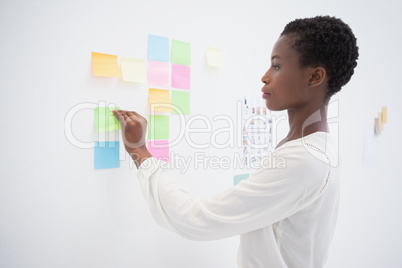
<point x="134" y="129"/>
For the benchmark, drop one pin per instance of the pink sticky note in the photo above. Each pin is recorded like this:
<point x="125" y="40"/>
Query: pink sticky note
<point x="159" y="149"/>
<point x="158" y="73"/>
<point x="180" y="76"/>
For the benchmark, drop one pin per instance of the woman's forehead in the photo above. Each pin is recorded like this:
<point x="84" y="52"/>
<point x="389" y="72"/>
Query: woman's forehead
<point x="283" y="49"/>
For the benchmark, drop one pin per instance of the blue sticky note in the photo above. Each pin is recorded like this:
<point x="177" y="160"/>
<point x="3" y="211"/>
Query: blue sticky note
<point x="158" y="48"/>
<point x="107" y="154"/>
<point x="239" y="178"/>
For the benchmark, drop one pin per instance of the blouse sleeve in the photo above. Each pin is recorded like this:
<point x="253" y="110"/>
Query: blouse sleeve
<point x="267" y="196"/>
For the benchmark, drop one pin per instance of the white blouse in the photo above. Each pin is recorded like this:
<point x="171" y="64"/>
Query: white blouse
<point x="285" y="215"/>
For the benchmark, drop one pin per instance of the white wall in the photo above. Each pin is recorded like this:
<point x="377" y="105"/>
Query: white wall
<point x="57" y="211"/>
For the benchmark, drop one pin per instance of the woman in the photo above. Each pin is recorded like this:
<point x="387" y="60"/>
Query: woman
<point x="285" y="216"/>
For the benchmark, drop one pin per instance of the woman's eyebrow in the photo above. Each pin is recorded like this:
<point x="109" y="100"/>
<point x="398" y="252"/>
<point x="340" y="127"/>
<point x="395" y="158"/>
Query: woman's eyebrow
<point x="275" y="57"/>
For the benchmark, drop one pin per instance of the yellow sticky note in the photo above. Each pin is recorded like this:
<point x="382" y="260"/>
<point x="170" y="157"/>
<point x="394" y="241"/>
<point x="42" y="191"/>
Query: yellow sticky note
<point x="384" y="114"/>
<point x="105" y="65"/>
<point x="133" y="70"/>
<point x="214" y="57"/>
<point x="159" y="100"/>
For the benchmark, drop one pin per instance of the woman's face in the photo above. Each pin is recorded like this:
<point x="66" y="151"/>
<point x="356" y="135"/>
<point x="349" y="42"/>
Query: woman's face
<point x="285" y="82"/>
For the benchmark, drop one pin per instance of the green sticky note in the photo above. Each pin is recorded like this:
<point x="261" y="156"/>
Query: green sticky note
<point x="240" y="177"/>
<point x="181" y="52"/>
<point x="180" y="102"/>
<point x="158" y="127"/>
<point x="105" y="120"/>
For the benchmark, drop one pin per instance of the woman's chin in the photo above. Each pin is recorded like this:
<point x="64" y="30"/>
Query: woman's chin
<point x="273" y="107"/>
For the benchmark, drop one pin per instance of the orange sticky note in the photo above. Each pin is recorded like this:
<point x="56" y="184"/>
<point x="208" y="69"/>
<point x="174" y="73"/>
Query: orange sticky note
<point x="384" y="114"/>
<point x="159" y="100"/>
<point x="105" y="65"/>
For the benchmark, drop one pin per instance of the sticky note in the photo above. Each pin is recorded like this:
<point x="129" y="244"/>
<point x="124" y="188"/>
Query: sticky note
<point x="105" y="65"/>
<point x="377" y="126"/>
<point x="159" y="100"/>
<point x="181" y="52"/>
<point x="106" y="154"/>
<point x="384" y="114"/>
<point x="214" y="57"/>
<point x="158" y="73"/>
<point x="180" y="76"/>
<point x="180" y="102"/>
<point x="159" y="149"/>
<point x="105" y="120"/>
<point x="133" y="70"/>
<point x="158" y="127"/>
<point x="158" y="48"/>
<point x="239" y="178"/>
<point x="380" y="123"/>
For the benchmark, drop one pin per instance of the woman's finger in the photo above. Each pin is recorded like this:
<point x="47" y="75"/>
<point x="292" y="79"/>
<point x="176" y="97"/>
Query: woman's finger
<point x="120" y="117"/>
<point x="116" y="113"/>
<point x="123" y="111"/>
<point x="127" y="118"/>
<point x="132" y="116"/>
<point x="138" y="115"/>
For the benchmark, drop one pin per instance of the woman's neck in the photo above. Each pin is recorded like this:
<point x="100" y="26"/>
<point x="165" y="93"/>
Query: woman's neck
<point x="305" y="122"/>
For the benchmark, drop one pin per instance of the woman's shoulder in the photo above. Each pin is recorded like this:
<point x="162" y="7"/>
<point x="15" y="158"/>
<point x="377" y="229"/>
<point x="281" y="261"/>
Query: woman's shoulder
<point x="318" y="145"/>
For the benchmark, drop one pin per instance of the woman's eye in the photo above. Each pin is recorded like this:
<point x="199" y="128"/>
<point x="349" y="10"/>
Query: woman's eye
<point x="276" y="67"/>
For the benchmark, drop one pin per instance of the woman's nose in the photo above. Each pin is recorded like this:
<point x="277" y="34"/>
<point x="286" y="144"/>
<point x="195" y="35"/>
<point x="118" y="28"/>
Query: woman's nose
<point x="265" y="78"/>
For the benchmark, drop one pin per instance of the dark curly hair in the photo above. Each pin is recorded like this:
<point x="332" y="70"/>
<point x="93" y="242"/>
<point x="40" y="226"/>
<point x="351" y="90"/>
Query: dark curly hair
<point x="328" y="42"/>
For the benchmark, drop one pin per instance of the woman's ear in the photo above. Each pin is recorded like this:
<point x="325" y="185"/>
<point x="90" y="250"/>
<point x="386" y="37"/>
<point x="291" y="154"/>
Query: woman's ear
<point x="317" y="77"/>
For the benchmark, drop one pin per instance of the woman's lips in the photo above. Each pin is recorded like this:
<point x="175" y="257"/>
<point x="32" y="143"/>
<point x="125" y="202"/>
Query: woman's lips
<point x="265" y="94"/>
